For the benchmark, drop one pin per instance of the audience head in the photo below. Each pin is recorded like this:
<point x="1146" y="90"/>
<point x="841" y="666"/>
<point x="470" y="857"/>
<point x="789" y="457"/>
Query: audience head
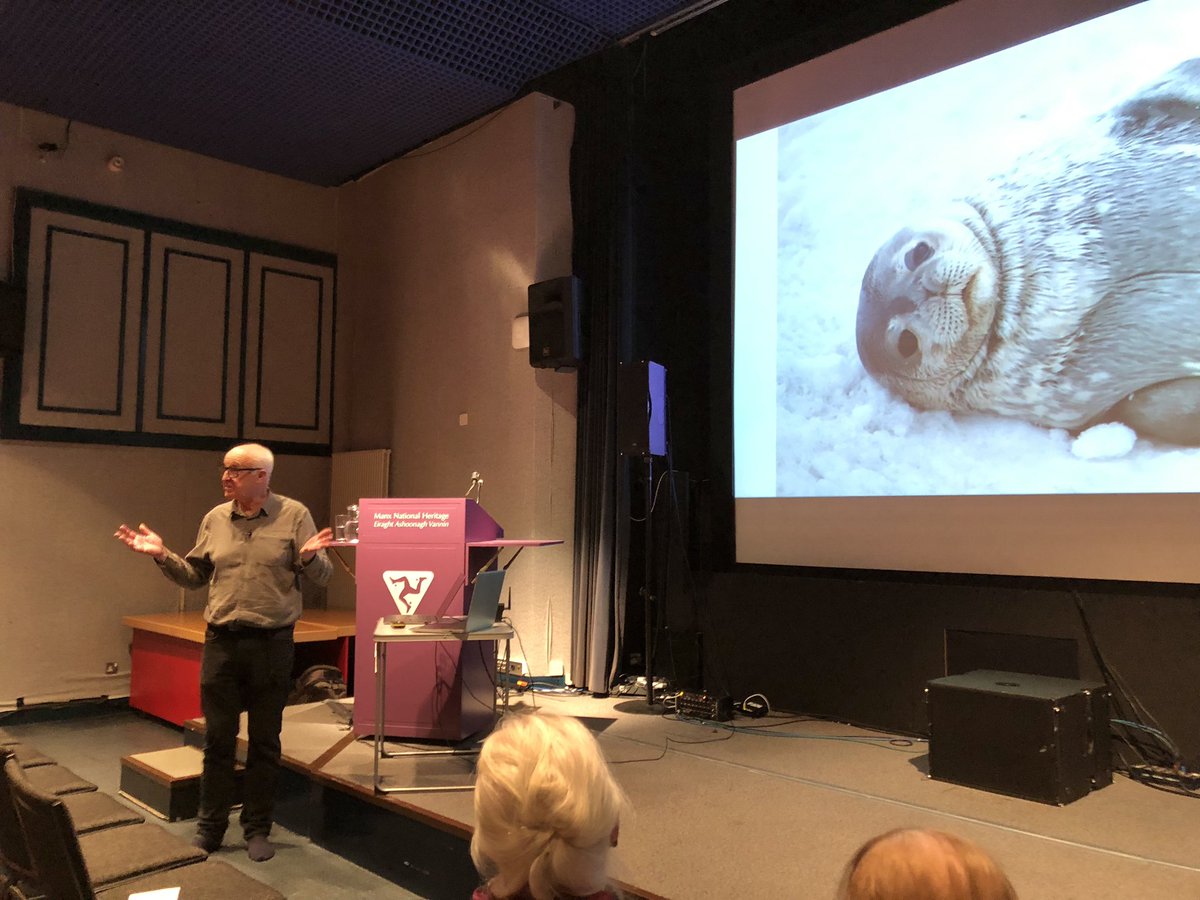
<point x="923" y="864"/>
<point x="546" y="808"/>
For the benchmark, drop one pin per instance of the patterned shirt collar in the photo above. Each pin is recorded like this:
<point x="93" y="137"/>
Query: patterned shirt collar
<point x="269" y="509"/>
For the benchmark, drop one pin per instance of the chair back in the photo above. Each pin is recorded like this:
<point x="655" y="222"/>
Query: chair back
<point x="14" y="854"/>
<point x="50" y="839"/>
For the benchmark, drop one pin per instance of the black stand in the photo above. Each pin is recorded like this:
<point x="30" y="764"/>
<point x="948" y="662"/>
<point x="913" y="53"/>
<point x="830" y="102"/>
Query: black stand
<point x="647" y="581"/>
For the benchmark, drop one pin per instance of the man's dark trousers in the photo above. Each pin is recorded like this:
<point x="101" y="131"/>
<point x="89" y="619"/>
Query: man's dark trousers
<point x="242" y="668"/>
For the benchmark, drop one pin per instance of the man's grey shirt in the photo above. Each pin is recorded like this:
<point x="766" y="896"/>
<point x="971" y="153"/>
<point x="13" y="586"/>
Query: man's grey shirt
<point x="251" y="565"/>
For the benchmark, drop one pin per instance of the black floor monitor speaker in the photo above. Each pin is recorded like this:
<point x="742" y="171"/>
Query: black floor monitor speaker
<point x="555" y="341"/>
<point x="1031" y="736"/>
<point x="641" y="409"/>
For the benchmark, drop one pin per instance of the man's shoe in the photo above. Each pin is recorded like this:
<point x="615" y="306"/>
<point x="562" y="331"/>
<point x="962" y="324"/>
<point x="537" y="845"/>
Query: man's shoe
<point x="206" y="842"/>
<point x="259" y="849"/>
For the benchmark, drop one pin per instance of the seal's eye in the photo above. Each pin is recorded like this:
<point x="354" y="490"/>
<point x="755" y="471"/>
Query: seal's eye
<point x="920" y="252"/>
<point x="907" y="344"/>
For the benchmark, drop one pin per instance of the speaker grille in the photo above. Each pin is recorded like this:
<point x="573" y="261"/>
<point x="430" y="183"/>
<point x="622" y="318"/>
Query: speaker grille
<point x="555" y="341"/>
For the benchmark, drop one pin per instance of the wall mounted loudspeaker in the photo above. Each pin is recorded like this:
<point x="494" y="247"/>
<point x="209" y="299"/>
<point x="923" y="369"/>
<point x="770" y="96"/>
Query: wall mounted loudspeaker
<point x="642" y="409"/>
<point x="554" y="334"/>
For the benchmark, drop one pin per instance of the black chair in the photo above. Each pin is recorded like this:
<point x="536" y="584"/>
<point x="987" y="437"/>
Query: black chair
<point x="14" y="855"/>
<point x="106" y="857"/>
<point x="63" y="870"/>
<point x="57" y="780"/>
<point x="27" y="755"/>
<point x="95" y="811"/>
<point x="91" y="810"/>
<point x="208" y="880"/>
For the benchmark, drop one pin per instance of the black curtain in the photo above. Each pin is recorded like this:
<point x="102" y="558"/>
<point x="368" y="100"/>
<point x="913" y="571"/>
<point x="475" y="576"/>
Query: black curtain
<point x="602" y="254"/>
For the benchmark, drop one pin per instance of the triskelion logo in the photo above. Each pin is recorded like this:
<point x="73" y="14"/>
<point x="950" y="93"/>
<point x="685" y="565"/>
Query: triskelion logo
<point x="407" y="588"/>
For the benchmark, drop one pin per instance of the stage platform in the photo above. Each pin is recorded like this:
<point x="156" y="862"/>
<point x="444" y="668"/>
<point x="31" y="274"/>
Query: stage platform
<point x="774" y="808"/>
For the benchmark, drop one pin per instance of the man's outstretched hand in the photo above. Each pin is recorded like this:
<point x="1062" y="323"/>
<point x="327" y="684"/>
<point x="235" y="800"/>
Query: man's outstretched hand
<point x="142" y="541"/>
<point x="318" y="541"/>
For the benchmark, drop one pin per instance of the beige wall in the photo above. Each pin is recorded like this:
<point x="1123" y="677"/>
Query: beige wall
<point x="158" y="181"/>
<point x="436" y="252"/>
<point x="66" y="581"/>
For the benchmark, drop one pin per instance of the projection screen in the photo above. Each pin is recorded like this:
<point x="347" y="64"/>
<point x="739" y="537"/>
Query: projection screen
<point x="967" y="297"/>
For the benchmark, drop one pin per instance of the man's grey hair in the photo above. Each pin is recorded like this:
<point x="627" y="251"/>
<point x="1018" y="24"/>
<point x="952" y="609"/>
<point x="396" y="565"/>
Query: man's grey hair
<point x="257" y="454"/>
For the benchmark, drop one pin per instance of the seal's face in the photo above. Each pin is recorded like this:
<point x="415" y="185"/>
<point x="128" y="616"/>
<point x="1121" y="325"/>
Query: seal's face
<point x="926" y="306"/>
<point x="1062" y="292"/>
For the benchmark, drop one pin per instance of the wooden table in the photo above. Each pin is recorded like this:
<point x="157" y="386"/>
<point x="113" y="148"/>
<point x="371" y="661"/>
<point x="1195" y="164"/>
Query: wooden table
<point x="164" y="674"/>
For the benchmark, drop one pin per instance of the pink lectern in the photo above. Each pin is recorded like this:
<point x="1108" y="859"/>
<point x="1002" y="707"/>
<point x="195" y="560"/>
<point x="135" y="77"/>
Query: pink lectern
<point x="416" y="556"/>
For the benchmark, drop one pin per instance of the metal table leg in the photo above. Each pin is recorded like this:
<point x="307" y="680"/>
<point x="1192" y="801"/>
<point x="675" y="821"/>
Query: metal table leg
<point x="382" y="753"/>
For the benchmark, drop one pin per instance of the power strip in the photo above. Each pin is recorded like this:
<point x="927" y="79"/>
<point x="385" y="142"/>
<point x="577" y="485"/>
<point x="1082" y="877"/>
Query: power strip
<point x="701" y="705"/>
<point x="1165" y="777"/>
<point x="515" y="667"/>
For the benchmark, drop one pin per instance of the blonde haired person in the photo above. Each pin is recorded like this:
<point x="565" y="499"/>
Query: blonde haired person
<point x="547" y="811"/>
<point x="923" y="864"/>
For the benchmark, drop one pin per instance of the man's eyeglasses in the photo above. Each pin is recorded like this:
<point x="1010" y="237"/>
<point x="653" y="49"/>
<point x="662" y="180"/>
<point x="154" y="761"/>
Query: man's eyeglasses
<point x="237" y="471"/>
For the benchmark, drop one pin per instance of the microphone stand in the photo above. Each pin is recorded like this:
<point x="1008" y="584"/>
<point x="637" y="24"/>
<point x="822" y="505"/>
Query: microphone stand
<point x="476" y="486"/>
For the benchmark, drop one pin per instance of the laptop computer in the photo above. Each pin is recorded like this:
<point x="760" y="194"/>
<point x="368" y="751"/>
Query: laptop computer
<point x="481" y="613"/>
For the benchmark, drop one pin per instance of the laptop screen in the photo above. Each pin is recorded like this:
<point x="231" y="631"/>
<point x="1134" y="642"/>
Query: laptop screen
<point x="485" y="600"/>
